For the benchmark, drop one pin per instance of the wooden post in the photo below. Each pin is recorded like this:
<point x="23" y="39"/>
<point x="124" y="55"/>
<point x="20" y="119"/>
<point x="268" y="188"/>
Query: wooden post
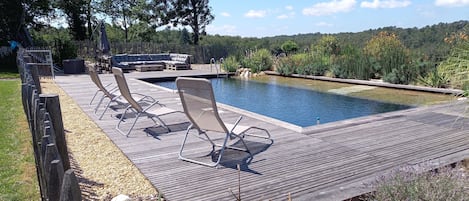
<point x="22" y="65"/>
<point x="35" y="74"/>
<point x="52" y="105"/>
<point x="54" y="181"/>
<point x="50" y="155"/>
<point x="44" y="142"/>
<point x="70" y="190"/>
<point x="36" y="119"/>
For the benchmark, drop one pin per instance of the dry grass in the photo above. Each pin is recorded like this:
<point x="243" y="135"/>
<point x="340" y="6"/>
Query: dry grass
<point x="103" y="170"/>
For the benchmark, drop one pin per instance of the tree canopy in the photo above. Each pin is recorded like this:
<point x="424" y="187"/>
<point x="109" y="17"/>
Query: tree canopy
<point x="193" y="13"/>
<point x="16" y="15"/>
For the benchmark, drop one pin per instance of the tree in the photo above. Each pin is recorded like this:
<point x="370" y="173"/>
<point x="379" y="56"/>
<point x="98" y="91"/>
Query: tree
<point x="185" y="37"/>
<point x="16" y="15"/>
<point x="329" y="45"/>
<point x="122" y="12"/>
<point x="76" y="16"/>
<point x="193" y="13"/>
<point x="10" y="20"/>
<point x="289" y="46"/>
<point x="90" y="9"/>
<point x="153" y="12"/>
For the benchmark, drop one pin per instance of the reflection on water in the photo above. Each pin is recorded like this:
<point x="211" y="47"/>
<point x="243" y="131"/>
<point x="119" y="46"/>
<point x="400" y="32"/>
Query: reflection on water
<point x="398" y="96"/>
<point x="300" y="101"/>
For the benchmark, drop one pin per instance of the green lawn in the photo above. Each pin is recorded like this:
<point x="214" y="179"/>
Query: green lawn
<point x="8" y="75"/>
<point x="18" y="179"/>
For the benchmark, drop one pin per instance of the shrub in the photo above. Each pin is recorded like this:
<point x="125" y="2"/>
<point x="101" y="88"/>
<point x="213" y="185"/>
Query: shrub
<point x="230" y="64"/>
<point x="59" y="40"/>
<point x="404" y="74"/>
<point x="301" y="62"/>
<point x="285" y="66"/>
<point x="259" y="61"/>
<point x="456" y="66"/>
<point x="445" y="184"/>
<point x="8" y="63"/>
<point x="434" y="79"/>
<point x="64" y="49"/>
<point x="318" y="64"/>
<point x="387" y="53"/>
<point x="351" y="64"/>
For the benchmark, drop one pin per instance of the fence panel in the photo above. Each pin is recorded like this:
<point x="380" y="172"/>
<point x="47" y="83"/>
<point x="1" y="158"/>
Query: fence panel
<point x="47" y="133"/>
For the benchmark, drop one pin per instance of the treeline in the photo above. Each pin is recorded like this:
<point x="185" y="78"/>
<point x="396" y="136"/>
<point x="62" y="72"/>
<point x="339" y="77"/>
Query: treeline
<point x="428" y="41"/>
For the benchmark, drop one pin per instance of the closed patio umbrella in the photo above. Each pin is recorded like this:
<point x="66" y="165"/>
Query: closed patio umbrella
<point x="103" y="41"/>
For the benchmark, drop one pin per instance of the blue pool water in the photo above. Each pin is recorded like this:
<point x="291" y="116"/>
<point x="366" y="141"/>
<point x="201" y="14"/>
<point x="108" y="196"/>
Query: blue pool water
<point x="294" y="105"/>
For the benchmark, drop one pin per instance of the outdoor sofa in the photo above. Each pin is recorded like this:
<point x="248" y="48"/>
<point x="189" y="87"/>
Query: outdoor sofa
<point x="145" y="62"/>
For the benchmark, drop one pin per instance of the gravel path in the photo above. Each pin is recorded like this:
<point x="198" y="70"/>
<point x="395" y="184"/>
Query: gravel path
<point x="103" y="171"/>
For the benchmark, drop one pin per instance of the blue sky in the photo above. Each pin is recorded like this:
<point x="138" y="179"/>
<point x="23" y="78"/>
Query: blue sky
<point x="260" y="18"/>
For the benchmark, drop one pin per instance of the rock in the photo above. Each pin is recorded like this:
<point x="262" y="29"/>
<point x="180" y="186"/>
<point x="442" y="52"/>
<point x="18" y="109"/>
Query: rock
<point x="121" y="198"/>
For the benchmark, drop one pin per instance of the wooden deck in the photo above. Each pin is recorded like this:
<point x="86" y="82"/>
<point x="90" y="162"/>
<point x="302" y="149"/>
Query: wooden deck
<point x="327" y="162"/>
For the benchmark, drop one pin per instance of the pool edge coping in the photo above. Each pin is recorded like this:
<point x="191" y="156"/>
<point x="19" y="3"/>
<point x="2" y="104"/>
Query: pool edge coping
<point x="330" y="125"/>
<point x="374" y="83"/>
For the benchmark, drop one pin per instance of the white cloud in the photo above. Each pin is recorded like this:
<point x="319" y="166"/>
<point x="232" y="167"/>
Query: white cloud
<point x="289" y="7"/>
<point x="329" y="8"/>
<point x="385" y="4"/>
<point x="222" y="30"/>
<point x="255" y="14"/>
<point x="324" y="24"/>
<point x="452" y="3"/>
<point x="225" y="14"/>
<point x="426" y="13"/>
<point x="284" y="16"/>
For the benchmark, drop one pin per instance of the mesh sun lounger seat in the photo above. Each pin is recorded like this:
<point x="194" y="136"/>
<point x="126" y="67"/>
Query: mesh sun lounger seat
<point x="147" y="106"/>
<point x="112" y="94"/>
<point x="200" y="107"/>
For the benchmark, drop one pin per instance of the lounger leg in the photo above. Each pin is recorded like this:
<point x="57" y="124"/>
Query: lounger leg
<point x="259" y="136"/>
<point x="160" y="122"/>
<point x="105" y="109"/>
<point x="133" y="124"/>
<point x="222" y="150"/>
<point x="99" y="104"/>
<point x="122" y="119"/>
<point x="94" y="96"/>
<point x="181" y="157"/>
<point x="184" y="142"/>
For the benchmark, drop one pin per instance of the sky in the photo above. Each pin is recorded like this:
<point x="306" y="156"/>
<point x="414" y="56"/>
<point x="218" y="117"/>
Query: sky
<point x="261" y="18"/>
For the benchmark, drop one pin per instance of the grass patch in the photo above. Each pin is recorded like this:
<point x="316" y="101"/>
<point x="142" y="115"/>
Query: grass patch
<point x="18" y="179"/>
<point x="9" y="75"/>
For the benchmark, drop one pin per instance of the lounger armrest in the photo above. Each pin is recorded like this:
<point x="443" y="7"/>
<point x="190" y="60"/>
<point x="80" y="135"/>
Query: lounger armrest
<point x="145" y="97"/>
<point x="151" y="105"/>
<point x="236" y="123"/>
<point x="114" y="89"/>
<point x="108" y="85"/>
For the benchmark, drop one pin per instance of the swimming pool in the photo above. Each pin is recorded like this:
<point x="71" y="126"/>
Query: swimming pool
<point x="297" y="106"/>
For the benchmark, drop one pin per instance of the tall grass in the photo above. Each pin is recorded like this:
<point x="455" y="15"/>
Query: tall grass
<point x="18" y="179"/>
<point x="352" y="63"/>
<point x="304" y="64"/>
<point x="230" y="64"/>
<point x="456" y="67"/>
<point x="259" y="61"/>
